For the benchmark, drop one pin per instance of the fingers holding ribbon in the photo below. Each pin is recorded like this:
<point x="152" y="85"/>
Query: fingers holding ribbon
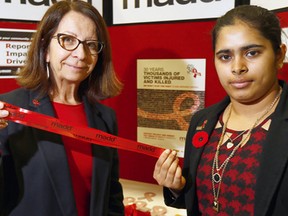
<point x="3" y="114"/>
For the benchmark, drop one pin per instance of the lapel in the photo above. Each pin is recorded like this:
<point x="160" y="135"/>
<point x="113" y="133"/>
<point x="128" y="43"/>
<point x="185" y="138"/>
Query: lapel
<point x="207" y="124"/>
<point x="209" y="127"/>
<point x="54" y="157"/>
<point x="211" y="117"/>
<point x="274" y="158"/>
<point x="101" y="161"/>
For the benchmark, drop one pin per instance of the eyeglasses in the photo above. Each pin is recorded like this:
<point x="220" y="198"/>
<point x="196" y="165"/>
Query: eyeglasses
<point x="70" y="43"/>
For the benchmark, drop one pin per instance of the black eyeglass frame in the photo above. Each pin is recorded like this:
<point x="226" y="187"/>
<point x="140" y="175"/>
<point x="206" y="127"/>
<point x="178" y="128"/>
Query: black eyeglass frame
<point x="58" y="36"/>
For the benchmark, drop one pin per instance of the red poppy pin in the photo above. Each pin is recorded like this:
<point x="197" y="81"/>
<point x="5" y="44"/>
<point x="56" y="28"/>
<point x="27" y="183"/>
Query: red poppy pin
<point x="200" y="139"/>
<point x="36" y="102"/>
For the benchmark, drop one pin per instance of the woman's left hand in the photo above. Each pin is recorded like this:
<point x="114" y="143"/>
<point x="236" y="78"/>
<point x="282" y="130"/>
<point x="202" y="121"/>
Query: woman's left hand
<point x="3" y="113"/>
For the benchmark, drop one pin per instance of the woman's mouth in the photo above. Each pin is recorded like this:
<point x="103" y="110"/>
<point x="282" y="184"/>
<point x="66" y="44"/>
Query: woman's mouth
<point x="240" y="84"/>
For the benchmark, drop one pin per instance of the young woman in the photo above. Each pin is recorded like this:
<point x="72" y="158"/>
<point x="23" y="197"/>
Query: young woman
<point x="236" y="151"/>
<point x="69" y="68"/>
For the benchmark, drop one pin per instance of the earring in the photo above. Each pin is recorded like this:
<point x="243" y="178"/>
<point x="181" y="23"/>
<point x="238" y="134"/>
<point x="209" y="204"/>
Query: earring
<point x="47" y="70"/>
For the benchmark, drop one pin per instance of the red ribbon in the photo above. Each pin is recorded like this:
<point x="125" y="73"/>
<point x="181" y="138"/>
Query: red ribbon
<point x="89" y="135"/>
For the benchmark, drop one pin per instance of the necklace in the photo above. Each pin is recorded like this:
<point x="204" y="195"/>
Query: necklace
<point x="218" y="171"/>
<point x="230" y="143"/>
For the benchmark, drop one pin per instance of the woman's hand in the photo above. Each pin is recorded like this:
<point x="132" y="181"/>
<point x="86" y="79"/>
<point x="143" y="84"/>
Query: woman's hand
<point x="167" y="171"/>
<point x="3" y="113"/>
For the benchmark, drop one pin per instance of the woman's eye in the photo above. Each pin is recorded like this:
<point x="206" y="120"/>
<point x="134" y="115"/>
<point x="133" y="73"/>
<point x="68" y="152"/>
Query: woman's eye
<point x="225" y="57"/>
<point x="92" y="45"/>
<point x="252" y="53"/>
<point x="68" y="39"/>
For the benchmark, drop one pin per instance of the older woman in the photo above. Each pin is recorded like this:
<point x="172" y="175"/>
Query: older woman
<point x="69" y="68"/>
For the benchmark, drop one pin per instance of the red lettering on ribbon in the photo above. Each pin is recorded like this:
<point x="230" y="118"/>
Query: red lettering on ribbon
<point x="86" y="134"/>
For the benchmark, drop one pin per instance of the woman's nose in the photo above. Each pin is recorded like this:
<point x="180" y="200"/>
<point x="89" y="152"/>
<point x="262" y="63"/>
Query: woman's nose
<point x="239" y="66"/>
<point x="81" y="51"/>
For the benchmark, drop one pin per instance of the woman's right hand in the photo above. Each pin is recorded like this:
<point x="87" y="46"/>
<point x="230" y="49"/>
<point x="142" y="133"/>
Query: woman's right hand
<point x="3" y="113"/>
<point x="167" y="171"/>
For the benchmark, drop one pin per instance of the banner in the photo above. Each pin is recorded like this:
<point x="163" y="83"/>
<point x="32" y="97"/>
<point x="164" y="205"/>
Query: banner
<point x="169" y="92"/>
<point x="139" y="11"/>
<point x="270" y="4"/>
<point x="32" y="10"/>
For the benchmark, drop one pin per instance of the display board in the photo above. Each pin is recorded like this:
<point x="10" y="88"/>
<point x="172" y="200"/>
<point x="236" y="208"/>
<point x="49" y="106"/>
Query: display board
<point x="189" y="39"/>
<point x="14" y="44"/>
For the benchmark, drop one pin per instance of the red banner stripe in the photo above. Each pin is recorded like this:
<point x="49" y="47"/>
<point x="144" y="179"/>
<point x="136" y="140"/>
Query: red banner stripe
<point x="89" y="135"/>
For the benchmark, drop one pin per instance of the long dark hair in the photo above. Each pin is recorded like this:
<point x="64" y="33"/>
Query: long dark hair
<point x="102" y="83"/>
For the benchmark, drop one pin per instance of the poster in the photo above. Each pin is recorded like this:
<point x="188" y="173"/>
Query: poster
<point x="14" y="45"/>
<point x="169" y="92"/>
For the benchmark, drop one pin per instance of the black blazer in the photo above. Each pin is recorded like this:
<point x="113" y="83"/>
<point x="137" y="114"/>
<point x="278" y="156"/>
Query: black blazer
<point x="34" y="173"/>
<point x="271" y="195"/>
